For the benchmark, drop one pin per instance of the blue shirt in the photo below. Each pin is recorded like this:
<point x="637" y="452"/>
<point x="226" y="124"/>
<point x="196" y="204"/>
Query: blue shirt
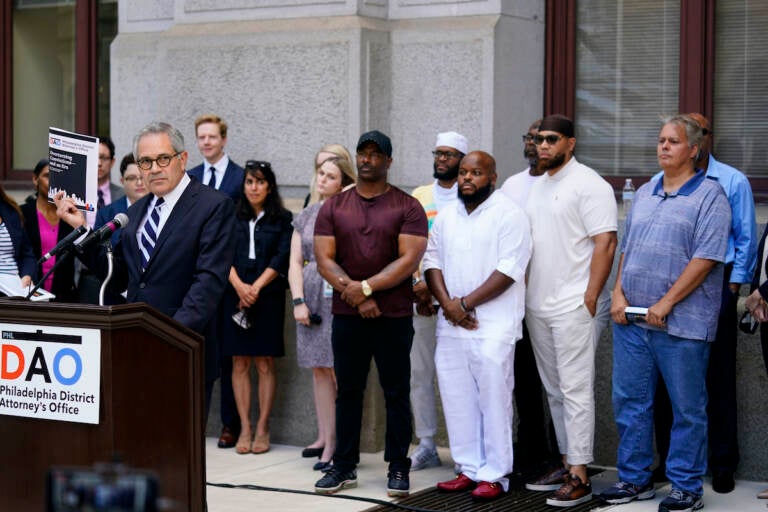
<point x="664" y="232"/>
<point x="742" y="238"/>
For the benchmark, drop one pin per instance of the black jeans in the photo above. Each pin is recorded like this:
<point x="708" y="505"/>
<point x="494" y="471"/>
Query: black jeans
<point x="533" y="446"/>
<point x="387" y="341"/>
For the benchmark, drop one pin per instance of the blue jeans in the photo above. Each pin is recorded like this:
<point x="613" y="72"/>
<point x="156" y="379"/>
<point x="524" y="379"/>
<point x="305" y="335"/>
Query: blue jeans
<point x="639" y="356"/>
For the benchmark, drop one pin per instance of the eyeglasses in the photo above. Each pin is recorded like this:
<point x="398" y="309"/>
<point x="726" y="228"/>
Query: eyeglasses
<point x="257" y="164"/>
<point x="551" y="139"/>
<point x="448" y="155"/>
<point x="131" y="179"/>
<point x="528" y="138"/>
<point x="145" y="164"/>
<point x="105" y="158"/>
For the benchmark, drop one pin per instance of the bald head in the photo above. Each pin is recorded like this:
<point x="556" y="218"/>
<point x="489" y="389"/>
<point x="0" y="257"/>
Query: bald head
<point x="477" y="177"/>
<point x="480" y="159"/>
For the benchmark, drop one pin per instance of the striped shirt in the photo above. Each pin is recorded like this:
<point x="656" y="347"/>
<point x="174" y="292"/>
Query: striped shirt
<point x="664" y="232"/>
<point x="7" y="260"/>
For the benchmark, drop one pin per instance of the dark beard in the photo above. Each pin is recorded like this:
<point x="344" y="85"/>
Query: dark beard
<point x="553" y="162"/>
<point x="480" y="195"/>
<point x="449" y="175"/>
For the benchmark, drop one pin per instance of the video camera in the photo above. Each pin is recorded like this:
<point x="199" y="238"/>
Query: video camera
<point x="104" y="487"/>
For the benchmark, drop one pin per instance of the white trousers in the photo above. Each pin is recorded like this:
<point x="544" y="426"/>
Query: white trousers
<point x="476" y="379"/>
<point x="564" y="347"/>
<point x="423" y="392"/>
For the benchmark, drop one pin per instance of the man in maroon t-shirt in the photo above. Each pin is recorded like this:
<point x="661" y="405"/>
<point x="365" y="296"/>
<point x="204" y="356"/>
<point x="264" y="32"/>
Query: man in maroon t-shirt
<point x="368" y="242"/>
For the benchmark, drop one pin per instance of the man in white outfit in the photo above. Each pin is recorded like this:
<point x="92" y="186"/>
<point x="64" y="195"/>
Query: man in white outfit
<point x="475" y="264"/>
<point x="573" y="216"/>
<point x="450" y="148"/>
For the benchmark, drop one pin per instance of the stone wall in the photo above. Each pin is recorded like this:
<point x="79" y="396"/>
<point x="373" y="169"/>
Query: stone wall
<point x="289" y="77"/>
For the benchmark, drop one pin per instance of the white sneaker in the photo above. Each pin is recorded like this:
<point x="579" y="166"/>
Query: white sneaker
<point x="423" y="457"/>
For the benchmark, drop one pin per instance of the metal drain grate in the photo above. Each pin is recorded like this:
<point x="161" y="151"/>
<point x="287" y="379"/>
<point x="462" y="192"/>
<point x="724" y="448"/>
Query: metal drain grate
<point x="518" y="499"/>
<point x="513" y="501"/>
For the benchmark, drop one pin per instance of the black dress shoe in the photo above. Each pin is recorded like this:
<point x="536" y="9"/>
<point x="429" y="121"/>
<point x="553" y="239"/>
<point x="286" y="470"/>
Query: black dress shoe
<point x="228" y="438"/>
<point x="322" y="466"/>
<point x="312" y="452"/>
<point x="722" y="482"/>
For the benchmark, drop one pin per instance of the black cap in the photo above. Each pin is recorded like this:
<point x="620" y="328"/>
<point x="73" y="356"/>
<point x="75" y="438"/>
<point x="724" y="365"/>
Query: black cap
<point x="557" y="123"/>
<point x="381" y="140"/>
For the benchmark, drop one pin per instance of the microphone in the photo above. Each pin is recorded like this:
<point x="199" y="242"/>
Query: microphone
<point x="64" y="244"/>
<point x="104" y="232"/>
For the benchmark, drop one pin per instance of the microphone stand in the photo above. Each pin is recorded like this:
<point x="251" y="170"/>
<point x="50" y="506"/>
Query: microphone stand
<point x="110" y="265"/>
<point x="66" y="253"/>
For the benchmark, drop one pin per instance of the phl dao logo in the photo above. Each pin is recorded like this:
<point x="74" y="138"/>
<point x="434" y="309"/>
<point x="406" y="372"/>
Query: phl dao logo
<point x="50" y="372"/>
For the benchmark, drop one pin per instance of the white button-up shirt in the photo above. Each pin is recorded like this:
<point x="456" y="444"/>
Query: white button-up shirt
<point x="467" y="248"/>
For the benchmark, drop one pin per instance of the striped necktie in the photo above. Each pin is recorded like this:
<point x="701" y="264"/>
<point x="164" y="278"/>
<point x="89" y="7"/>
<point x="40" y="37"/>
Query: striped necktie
<point x="149" y="233"/>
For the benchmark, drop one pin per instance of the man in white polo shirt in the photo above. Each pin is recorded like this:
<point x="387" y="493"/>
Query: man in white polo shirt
<point x="573" y="218"/>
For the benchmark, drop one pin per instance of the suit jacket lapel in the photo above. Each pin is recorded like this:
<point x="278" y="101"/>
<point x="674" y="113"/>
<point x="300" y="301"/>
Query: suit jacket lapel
<point x="229" y="177"/>
<point x="180" y="210"/>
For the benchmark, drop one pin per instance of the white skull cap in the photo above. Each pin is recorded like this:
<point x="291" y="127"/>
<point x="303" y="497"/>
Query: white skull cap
<point x="453" y="140"/>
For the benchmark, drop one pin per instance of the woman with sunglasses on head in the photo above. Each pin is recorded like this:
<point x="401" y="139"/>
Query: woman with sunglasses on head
<point x="16" y="256"/>
<point x="312" y="298"/>
<point x="257" y="289"/>
<point x="45" y="230"/>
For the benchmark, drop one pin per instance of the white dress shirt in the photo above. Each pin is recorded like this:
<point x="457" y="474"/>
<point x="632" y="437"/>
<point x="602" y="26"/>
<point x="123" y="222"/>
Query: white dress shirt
<point x="171" y="198"/>
<point x="220" y="166"/>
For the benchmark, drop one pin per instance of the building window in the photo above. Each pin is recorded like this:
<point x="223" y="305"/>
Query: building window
<point x="43" y="76"/>
<point x="627" y="73"/>
<point x="740" y="121"/>
<point x="54" y="72"/>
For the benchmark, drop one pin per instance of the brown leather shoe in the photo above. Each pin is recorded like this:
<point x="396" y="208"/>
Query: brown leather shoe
<point x="487" y="491"/>
<point x="571" y="493"/>
<point x="460" y="483"/>
<point x="227" y="439"/>
<point x="550" y="481"/>
<point x="763" y="495"/>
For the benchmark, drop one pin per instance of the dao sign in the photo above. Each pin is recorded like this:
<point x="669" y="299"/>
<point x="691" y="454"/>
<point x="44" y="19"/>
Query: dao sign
<point x="50" y="372"/>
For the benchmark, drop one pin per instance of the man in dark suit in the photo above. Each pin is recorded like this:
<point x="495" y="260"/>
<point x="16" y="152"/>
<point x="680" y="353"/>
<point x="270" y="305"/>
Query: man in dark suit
<point x="219" y="172"/>
<point x="177" y="252"/>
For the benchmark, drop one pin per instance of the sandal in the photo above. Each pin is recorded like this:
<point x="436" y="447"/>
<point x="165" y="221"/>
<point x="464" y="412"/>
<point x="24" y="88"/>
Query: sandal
<point x="243" y="443"/>
<point x="260" y="444"/>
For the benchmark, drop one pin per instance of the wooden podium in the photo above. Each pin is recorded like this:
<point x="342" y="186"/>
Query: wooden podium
<point x="151" y="412"/>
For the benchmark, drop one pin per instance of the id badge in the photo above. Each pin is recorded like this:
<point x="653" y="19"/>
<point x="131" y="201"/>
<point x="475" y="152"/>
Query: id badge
<point x="327" y="289"/>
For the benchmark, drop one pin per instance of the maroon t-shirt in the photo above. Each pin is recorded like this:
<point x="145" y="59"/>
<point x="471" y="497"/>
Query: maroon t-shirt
<point x="366" y="232"/>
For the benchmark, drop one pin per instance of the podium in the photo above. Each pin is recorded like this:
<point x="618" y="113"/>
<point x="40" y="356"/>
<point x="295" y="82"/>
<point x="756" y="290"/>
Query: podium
<point x="151" y="412"/>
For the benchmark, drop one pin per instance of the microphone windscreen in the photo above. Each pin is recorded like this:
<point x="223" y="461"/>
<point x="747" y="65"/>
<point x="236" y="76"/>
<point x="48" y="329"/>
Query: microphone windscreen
<point x="121" y="220"/>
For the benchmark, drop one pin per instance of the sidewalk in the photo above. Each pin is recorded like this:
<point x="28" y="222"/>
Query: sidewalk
<point x="283" y="467"/>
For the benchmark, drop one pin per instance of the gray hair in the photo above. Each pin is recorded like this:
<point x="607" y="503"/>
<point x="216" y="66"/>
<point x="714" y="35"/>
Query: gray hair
<point x="177" y="139"/>
<point x="693" y="130"/>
